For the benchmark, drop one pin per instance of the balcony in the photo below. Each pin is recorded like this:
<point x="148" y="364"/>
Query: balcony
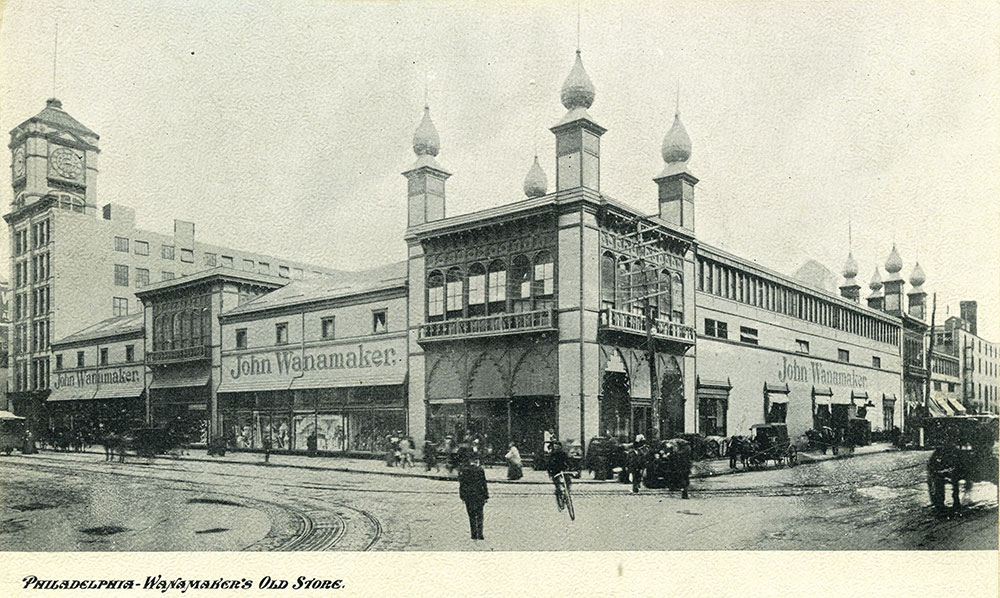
<point x="174" y="355"/>
<point x="623" y="321"/>
<point x="496" y="325"/>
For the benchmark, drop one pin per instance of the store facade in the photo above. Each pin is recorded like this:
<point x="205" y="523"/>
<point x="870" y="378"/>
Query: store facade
<point x="771" y="350"/>
<point x="98" y="379"/>
<point x="183" y="340"/>
<point x="317" y="361"/>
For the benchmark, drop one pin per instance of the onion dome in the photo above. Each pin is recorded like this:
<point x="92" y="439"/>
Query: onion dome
<point x="577" y="91"/>
<point x="425" y="140"/>
<point x="894" y="263"/>
<point x="917" y="277"/>
<point x="876" y="283"/>
<point x="536" y="184"/>
<point x="676" y="143"/>
<point x="850" y="267"/>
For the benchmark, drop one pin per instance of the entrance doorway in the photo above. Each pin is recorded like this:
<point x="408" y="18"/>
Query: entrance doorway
<point x="616" y="405"/>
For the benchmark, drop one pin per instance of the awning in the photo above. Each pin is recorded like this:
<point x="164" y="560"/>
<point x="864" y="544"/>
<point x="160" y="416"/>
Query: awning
<point x="229" y="385"/>
<point x="776" y="393"/>
<point x="180" y="377"/>
<point x="937" y="409"/>
<point x="71" y="393"/>
<point x="859" y="395"/>
<point x="5" y="415"/>
<point x="822" y="396"/>
<point x="713" y="389"/>
<point x="957" y="407"/>
<point x="118" y="392"/>
<point x="348" y="378"/>
<point x="840" y="398"/>
<point x="888" y="401"/>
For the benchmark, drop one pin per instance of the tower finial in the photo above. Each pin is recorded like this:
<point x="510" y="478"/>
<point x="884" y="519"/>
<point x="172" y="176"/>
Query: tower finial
<point x="55" y="54"/>
<point x="577" y="26"/>
<point x="677" y="104"/>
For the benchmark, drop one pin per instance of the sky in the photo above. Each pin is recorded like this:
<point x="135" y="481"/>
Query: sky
<point x="283" y="127"/>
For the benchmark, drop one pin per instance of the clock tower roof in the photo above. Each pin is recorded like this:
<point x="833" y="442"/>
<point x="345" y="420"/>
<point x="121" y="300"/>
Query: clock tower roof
<point x="54" y="115"/>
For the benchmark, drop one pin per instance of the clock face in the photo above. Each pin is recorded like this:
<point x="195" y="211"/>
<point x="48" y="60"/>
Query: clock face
<point x="18" y="162"/>
<point x="67" y="163"/>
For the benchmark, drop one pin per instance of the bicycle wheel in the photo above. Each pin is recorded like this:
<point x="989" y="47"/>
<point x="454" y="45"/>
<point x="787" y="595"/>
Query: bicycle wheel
<point x="560" y="500"/>
<point x="569" y="503"/>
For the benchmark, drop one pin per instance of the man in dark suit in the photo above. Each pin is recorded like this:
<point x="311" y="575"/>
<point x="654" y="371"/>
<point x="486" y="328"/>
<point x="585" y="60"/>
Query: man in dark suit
<point x="473" y="492"/>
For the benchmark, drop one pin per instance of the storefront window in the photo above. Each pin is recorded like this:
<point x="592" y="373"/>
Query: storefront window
<point x="330" y="429"/>
<point x="368" y="430"/>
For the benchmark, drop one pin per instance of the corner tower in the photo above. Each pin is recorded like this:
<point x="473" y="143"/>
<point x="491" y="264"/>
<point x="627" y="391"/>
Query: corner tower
<point x="676" y="183"/>
<point x="578" y="136"/>
<point x="53" y="155"/>
<point x="426" y="178"/>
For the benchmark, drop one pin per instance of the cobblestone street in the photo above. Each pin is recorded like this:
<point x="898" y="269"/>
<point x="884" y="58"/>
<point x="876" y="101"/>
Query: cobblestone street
<point x="77" y="502"/>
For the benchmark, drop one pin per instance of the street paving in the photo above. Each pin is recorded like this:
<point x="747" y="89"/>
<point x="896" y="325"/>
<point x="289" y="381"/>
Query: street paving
<point x="77" y="502"/>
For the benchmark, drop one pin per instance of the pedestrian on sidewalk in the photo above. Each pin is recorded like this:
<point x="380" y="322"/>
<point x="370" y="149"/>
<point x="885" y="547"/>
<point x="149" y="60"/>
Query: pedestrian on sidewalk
<point x="430" y="455"/>
<point x="409" y="451"/>
<point x="514" y="469"/>
<point x="265" y="443"/>
<point x="637" y="461"/>
<point x="473" y="492"/>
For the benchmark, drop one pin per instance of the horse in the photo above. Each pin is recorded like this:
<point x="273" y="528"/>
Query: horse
<point x="740" y="450"/>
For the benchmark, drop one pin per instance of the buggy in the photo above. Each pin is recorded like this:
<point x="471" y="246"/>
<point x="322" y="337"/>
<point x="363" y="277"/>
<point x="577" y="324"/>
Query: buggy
<point x="770" y="442"/>
<point x="669" y="466"/>
<point x="965" y="452"/>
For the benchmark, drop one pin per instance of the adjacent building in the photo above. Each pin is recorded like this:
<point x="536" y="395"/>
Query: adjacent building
<point x="978" y="359"/>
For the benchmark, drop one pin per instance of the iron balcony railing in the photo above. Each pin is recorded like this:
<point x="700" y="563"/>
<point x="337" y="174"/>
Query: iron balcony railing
<point x="495" y="325"/>
<point x="185" y="354"/>
<point x="623" y="321"/>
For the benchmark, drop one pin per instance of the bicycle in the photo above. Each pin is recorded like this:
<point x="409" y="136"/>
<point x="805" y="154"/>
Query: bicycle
<point x="564" y="499"/>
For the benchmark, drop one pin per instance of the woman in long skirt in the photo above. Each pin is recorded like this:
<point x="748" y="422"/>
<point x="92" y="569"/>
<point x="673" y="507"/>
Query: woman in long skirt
<point x="513" y="457"/>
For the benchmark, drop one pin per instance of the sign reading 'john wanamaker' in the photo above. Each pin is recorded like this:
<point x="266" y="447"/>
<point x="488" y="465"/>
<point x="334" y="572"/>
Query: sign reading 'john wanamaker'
<point x="108" y="377"/>
<point x="331" y="364"/>
<point x="817" y="373"/>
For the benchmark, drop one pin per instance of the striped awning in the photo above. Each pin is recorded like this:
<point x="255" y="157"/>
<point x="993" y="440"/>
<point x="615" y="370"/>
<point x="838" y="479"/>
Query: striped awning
<point x="776" y="393"/>
<point x="822" y="395"/>
<point x="180" y="377"/>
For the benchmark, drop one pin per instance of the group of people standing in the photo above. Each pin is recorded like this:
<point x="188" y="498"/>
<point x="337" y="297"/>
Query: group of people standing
<point x="400" y="450"/>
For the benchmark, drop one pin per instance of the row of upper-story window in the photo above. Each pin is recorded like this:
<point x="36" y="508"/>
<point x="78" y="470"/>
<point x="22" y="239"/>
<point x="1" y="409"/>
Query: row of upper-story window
<point x="625" y="286"/>
<point x="190" y="327"/>
<point x="950" y="386"/>
<point x="33" y="336"/>
<point x="946" y="367"/>
<point x="523" y="282"/>
<point x="209" y="259"/>
<point x="732" y="283"/>
<point x="35" y="379"/>
<point x="40" y="235"/>
<point x="749" y="335"/>
<point x="328" y="329"/>
<point x="102" y="358"/>
<point x="36" y="303"/>
<point x="35" y="270"/>
<point x="64" y="201"/>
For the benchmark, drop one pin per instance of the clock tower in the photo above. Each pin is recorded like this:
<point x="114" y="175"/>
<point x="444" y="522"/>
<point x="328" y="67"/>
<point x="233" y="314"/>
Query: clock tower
<point x="54" y="156"/>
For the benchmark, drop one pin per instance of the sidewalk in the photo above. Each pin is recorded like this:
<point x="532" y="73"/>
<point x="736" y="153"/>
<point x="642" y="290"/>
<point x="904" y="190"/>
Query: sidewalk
<point x="494" y="474"/>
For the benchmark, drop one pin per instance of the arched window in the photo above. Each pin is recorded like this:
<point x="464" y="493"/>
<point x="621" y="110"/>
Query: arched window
<point x="544" y="280"/>
<point x="496" y="287"/>
<point x="454" y="292"/>
<point x="477" y="290"/>
<point x="435" y="296"/>
<point x="607" y="281"/>
<point x="677" y="299"/>
<point x="663" y="300"/>
<point x="520" y="283"/>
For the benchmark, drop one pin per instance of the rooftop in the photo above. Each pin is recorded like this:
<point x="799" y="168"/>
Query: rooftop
<point x="117" y="326"/>
<point x="300" y="292"/>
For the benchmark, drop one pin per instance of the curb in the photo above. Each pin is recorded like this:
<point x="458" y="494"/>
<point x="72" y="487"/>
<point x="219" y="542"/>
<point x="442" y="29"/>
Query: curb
<point x="700" y="475"/>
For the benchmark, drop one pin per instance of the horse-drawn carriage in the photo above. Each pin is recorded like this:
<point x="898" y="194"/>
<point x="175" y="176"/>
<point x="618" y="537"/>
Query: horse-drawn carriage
<point x="12" y="430"/>
<point x="965" y="452"/>
<point x="767" y="442"/>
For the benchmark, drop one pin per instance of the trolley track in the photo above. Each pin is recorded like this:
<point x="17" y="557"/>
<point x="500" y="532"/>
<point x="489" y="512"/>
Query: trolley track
<point x="322" y="527"/>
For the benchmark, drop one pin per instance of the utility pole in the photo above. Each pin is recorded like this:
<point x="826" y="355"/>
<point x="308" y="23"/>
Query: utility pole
<point x="644" y="272"/>
<point x="929" y="363"/>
